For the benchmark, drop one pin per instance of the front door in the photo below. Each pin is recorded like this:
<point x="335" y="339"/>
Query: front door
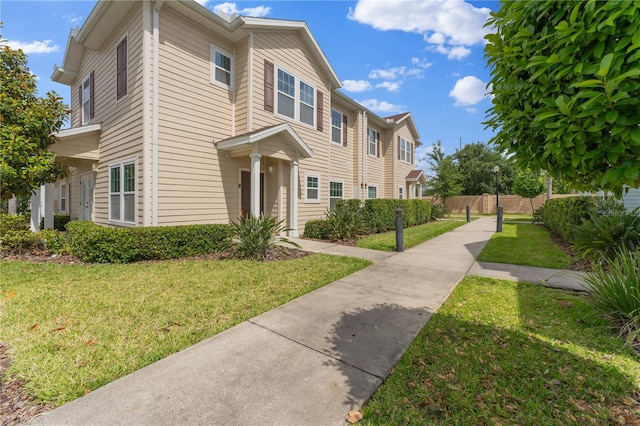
<point x="86" y="198"/>
<point x="245" y="193"/>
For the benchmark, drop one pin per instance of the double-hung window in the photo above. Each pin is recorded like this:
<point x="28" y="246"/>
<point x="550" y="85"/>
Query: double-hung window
<point x="63" y="197"/>
<point x="336" y="127"/>
<point x="372" y="191"/>
<point x="221" y="67"/>
<point x="336" y="193"/>
<point x="296" y="99"/>
<point x="405" y="150"/>
<point x="373" y="142"/>
<point x="122" y="192"/>
<point x="313" y="188"/>
<point x="85" y="99"/>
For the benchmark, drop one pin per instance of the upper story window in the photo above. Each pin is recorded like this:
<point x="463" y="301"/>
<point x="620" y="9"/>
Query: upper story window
<point x="338" y="127"/>
<point x="121" y="68"/>
<point x="85" y="95"/>
<point x="405" y="150"/>
<point x="296" y="99"/>
<point x="374" y="139"/>
<point x="221" y="67"/>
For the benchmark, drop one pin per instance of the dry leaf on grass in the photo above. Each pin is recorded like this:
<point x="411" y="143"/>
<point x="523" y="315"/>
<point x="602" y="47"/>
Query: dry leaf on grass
<point x="354" y="417"/>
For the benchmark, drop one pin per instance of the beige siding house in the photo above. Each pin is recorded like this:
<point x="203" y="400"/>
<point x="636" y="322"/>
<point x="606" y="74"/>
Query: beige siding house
<point x="182" y="116"/>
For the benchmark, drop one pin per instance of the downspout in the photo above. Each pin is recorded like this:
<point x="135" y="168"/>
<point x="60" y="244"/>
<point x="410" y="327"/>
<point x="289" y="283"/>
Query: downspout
<point x="250" y="83"/>
<point x="154" y="118"/>
<point x="365" y="131"/>
<point x="394" y="156"/>
<point x="146" y="134"/>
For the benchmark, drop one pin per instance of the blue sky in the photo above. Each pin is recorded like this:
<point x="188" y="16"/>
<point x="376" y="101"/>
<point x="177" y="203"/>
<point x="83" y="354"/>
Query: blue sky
<point x="392" y="56"/>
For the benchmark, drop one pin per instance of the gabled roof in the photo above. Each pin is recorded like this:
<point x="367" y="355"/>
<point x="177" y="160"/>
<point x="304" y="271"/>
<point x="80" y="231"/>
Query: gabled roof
<point x="416" y="176"/>
<point x="399" y="118"/>
<point x="100" y="24"/>
<point x="283" y="131"/>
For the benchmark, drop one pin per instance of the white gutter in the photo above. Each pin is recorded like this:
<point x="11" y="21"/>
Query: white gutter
<point x="146" y="134"/>
<point x="250" y="84"/>
<point x="365" y="130"/>
<point x="154" y="112"/>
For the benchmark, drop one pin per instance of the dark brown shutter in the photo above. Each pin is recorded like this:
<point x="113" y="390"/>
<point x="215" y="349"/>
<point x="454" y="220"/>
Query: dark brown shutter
<point x="320" y="112"/>
<point x="80" y="102"/>
<point x="122" y="68"/>
<point x="412" y="153"/>
<point x="379" y="144"/>
<point x="91" y="94"/>
<point x="268" y="86"/>
<point x="399" y="148"/>
<point x="344" y="130"/>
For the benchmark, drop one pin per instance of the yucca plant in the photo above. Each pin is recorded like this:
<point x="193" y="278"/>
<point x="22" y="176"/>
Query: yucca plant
<point x="256" y="237"/>
<point x="344" y="223"/>
<point x="616" y="292"/>
<point x="599" y="238"/>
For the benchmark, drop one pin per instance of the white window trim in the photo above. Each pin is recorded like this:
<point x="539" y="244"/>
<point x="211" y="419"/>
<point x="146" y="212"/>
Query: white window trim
<point x="402" y="157"/>
<point x="375" y="132"/>
<point x="126" y="95"/>
<point x="85" y="118"/>
<point x="296" y="98"/>
<point x="306" y="192"/>
<point x="341" y="143"/>
<point x="64" y="197"/>
<point x="213" y="66"/>
<point x="373" y="186"/>
<point x="122" y="193"/>
<point x="338" y="198"/>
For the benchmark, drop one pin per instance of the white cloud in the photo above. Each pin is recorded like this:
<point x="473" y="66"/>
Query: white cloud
<point x="422" y="63"/>
<point x="72" y="18"/>
<point x="391" y="86"/>
<point x="230" y="8"/>
<point x="445" y="24"/>
<point x="469" y="91"/>
<point x="388" y="74"/>
<point x="356" y="85"/>
<point x="471" y="110"/>
<point x="35" y="46"/>
<point x="458" y="52"/>
<point x="381" y="106"/>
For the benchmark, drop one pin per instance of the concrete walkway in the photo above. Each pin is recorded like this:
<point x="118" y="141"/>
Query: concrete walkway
<point x="307" y="362"/>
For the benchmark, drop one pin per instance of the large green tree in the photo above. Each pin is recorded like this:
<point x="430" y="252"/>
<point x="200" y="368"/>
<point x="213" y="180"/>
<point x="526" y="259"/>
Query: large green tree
<point x="476" y="162"/>
<point x="565" y="77"/>
<point x="27" y="123"/>
<point x="444" y="180"/>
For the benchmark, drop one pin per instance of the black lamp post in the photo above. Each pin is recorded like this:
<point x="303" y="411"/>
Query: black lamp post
<point x="496" y="170"/>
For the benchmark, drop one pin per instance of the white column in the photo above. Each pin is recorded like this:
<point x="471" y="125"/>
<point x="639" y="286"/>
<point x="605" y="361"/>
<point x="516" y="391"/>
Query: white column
<point x="293" y="200"/>
<point x="47" y="205"/>
<point x="35" y="211"/>
<point x="255" y="184"/>
<point x="13" y="205"/>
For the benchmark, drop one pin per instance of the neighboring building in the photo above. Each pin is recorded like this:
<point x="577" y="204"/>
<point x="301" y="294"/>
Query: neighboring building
<point x="182" y="116"/>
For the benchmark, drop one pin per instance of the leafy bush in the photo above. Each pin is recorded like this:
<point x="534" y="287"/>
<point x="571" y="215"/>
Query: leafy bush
<point x="53" y="241"/>
<point x="99" y="244"/>
<point x="601" y="237"/>
<point x="438" y="211"/>
<point x="316" y="229"/>
<point x="616" y="291"/>
<point x="60" y="221"/>
<point x="256" y="237"/>
<point x="18" y="241"/>
<point x="13" y="222"/>
<point x="345" y="223"/>
<point x="608" y="206"/>
<point x="562" y="215"/>
<point x="380" y="214"/>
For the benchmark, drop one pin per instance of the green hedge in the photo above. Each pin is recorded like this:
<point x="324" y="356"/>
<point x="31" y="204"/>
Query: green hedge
<point x="562" y="215"/>
<point x="99" y="244"/>
<point x="316" y="229"/>
<point x="380" y="214"/>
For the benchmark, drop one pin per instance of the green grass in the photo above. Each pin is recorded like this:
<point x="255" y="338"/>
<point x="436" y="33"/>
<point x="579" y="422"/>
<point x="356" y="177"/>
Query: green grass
<point x="501" y="352"/>
<point x="74" y="328"/>
<point x="412" y="236"/>
<point x="524" y="244"/>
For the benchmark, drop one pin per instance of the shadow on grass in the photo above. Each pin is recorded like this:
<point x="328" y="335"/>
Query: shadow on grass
<point x="466" y="372"/>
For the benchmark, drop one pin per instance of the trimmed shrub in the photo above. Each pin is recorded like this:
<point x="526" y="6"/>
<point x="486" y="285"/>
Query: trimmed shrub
<point x="53" y="241"/>
<point x="316" y="229"/>
<point x="13" y="222"/>
<point x="99" y="244"/>
<point x="18" y="241"/>
<point x="562" y="215"/>
<point x="380" y="214"/>
<point x="256" y="237"/>
<point x="60" y="221"/>
<point x="438" y="211"/>
<point x="601" y="237"/>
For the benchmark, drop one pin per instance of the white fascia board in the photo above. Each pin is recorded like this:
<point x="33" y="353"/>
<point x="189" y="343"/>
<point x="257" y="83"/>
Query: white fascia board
<point x="76" y="131"/>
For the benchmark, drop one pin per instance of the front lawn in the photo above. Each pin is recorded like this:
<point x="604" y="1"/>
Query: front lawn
<point x="525" y="244"/>
<point x="413" y="236"/>
<point x="501" y="352"/>
<point x="74" y="328"/>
